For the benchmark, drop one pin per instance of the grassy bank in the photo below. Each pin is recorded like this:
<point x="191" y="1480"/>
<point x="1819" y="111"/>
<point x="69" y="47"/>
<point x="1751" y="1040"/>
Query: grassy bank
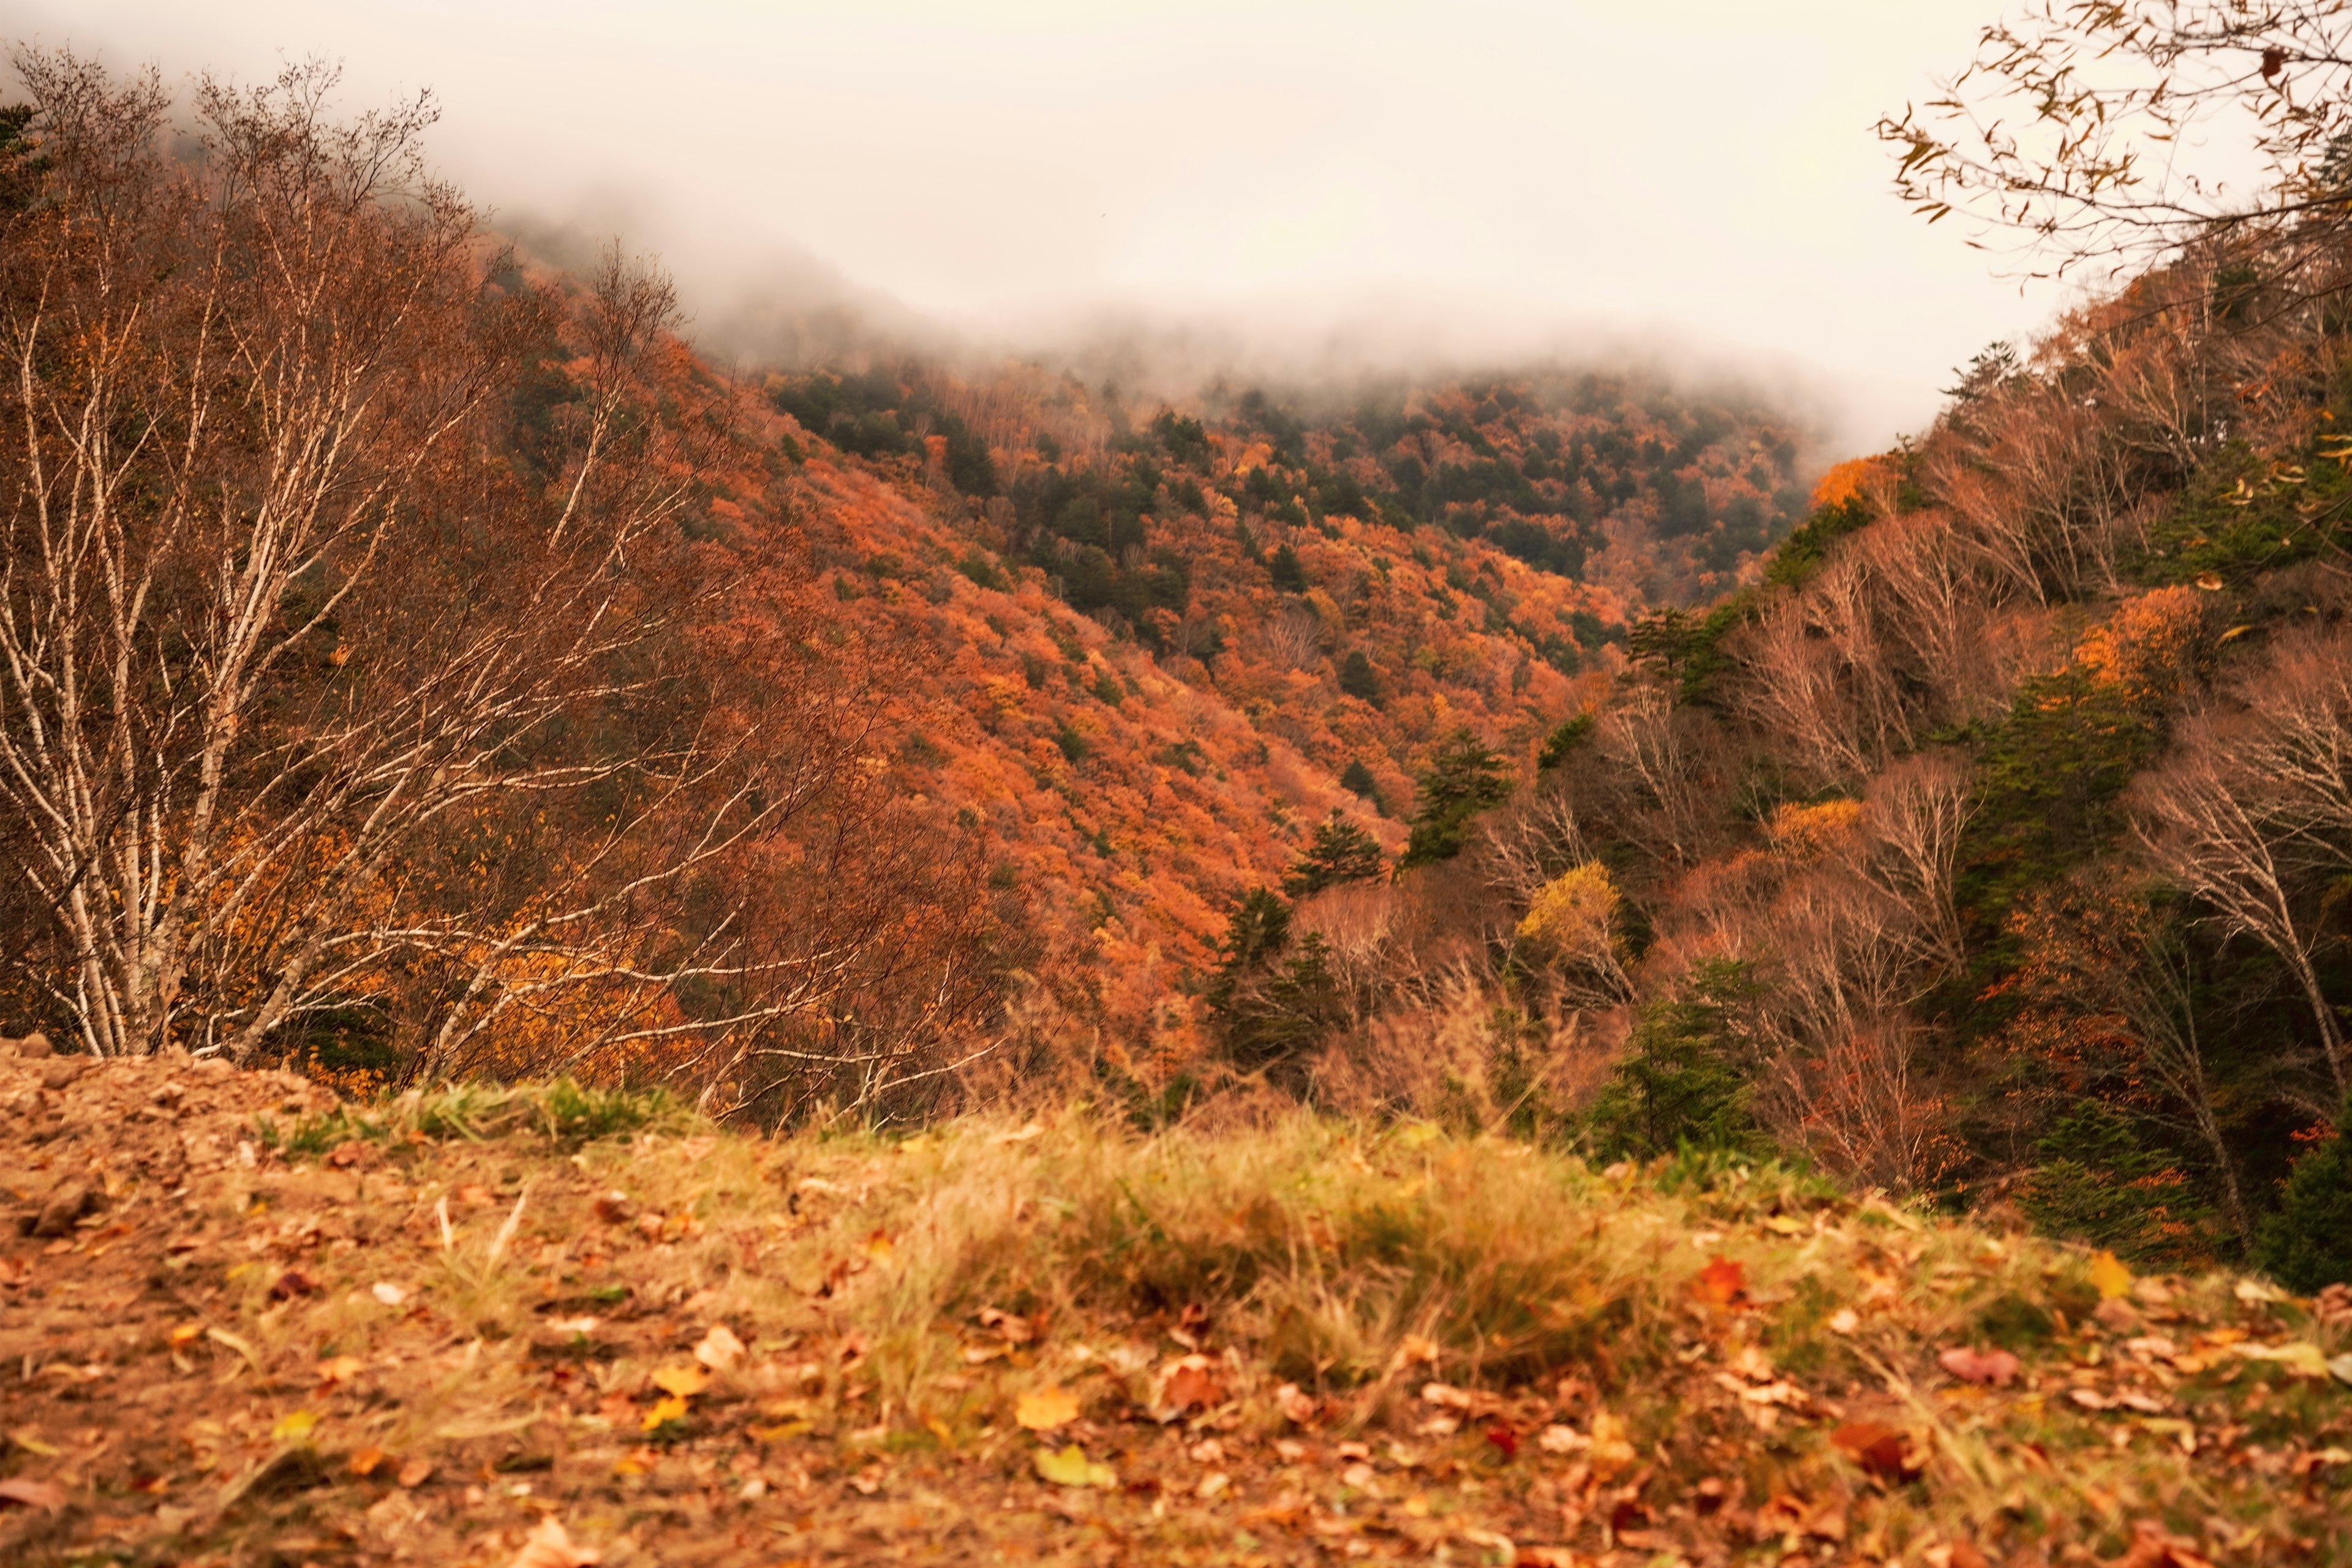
<point x="428" y="1327"/>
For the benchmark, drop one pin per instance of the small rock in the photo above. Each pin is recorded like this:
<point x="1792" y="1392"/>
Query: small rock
<point x="30" y="1047"/>
<point x="63" y="1071"/>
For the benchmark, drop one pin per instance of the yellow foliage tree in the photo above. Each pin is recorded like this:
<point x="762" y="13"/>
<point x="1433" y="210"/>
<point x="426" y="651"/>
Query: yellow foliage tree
<point x="1571" y="922"/>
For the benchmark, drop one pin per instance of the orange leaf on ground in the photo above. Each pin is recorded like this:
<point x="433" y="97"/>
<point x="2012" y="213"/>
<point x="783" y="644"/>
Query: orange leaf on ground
<point x="1042" y="1409"/>
<point x="1879" y="1450"/>
<point x="1187" y="1383"/>
<point x="1722" y="1283"/>
<point x="1994" y="1369"/>
<point x="2154" y="1547"/>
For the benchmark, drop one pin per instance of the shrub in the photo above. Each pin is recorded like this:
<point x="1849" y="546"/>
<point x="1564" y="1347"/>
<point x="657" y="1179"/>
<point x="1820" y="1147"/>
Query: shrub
<point x="2307" y="1244"/>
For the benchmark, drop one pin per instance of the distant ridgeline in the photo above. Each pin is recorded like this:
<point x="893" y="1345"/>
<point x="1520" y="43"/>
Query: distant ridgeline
<point x="1552" y="470"/>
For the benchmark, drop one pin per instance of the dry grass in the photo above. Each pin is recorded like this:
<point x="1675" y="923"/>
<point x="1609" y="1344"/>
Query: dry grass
<point x="1703" y="1307"/>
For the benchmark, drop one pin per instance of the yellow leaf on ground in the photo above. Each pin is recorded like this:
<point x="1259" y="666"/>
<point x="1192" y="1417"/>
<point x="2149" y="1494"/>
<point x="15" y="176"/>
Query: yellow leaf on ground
<point x="673" y="1408"/>
<point x="1042" y="1409"/>
<point x="685" y="1380"/>
<point x="1071" y="1468"/>
<point x="2110" y="1275"/>
<point x="2301" y="1358"/>
<point x="293" y="1427"/>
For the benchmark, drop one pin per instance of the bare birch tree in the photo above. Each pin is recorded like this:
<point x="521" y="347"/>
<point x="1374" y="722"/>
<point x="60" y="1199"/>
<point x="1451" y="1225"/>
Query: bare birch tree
<point x="303" y="685"/>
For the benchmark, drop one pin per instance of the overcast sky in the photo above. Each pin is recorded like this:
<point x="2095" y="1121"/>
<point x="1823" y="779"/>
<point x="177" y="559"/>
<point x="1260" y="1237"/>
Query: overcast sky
<point x="1488" y="178"/>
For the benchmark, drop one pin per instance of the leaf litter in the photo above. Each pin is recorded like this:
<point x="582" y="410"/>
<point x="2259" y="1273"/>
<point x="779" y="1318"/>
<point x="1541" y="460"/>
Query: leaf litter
<point x="275" y="1329"/>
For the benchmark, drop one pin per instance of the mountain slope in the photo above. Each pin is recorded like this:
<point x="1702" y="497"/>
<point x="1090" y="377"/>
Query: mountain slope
<point x="1165" y="641"/>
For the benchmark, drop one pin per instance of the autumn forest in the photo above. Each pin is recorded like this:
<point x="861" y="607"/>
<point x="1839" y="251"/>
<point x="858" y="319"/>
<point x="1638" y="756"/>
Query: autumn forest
<point x="421" y="663"/>
<point x="913" y="952"/>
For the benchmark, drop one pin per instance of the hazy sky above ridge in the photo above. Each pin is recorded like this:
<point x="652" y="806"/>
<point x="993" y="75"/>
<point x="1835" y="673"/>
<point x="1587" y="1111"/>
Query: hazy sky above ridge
<point x="1477" y="178"/>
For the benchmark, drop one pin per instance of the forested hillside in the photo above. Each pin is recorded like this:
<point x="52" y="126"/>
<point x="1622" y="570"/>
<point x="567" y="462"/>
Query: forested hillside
<point x="1170" y="644"/>
<point x="491" y="686"/>
<point x="544" y="699"/>
<point x="773" y="966"/>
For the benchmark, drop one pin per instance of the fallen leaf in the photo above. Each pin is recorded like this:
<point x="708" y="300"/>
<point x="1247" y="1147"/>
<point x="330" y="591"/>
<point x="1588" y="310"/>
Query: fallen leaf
<point x="416" y="1473"/>
<point x="2153" y="1547"/>
<point x="719" y="1350"/>
<point x="1071" y="1468"/>
<point x="24" y="1438"/>
<point x="1297" y="1407"/>
<point x="2341" y="1366"/>
<point x="1043" y="1409"/>
<point x="1034" y="1130"/>
<point x="683" y="1381"/>
<point x="614" y="1209"/>
<point x="1012" y="1329"/>
<point x="673" y="1408"/>
<point x="391" y="1295"/>
<point x="2110" y="1275"/>
<point x="1558" y="1439"/>
<point x="1881" y="1451"/>
<point x="1414" y="1350"/>
<point x="340" y="1369"/>
<point x="1610" y="1455"/>
<point x="1992" y="1369"/>
<point x="368" y="1461"/>
<point x="2300" y="1357"/>
<point x="1844" y="1321"/>
<point x="29" y="1493"/>
<point x="2254" y="1291"/>
<point x="551" y="1546"/>
<point x="294" y="1426"/>
<point x="879" y="1247"/>
<point x="292" y="1283"/>
<point x="1723" y="1282"/>
<point x="1503" y="1440"/>
<point x="1189" y="1383"/>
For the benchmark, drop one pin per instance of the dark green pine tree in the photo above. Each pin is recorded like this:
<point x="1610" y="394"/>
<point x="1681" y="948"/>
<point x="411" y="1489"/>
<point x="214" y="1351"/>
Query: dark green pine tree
<point x="1289" y="573"/>
<point x="1341" y="852"/>
<point x="1464" y="778"/>
<point x="2307" y="1244"/>
<point x="1272" y="1005"/>
<point x="1357" y="677"/>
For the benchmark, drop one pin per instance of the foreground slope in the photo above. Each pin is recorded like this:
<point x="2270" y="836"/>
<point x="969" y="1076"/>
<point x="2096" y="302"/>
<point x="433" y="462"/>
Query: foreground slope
<point x="246" y="1325"/>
